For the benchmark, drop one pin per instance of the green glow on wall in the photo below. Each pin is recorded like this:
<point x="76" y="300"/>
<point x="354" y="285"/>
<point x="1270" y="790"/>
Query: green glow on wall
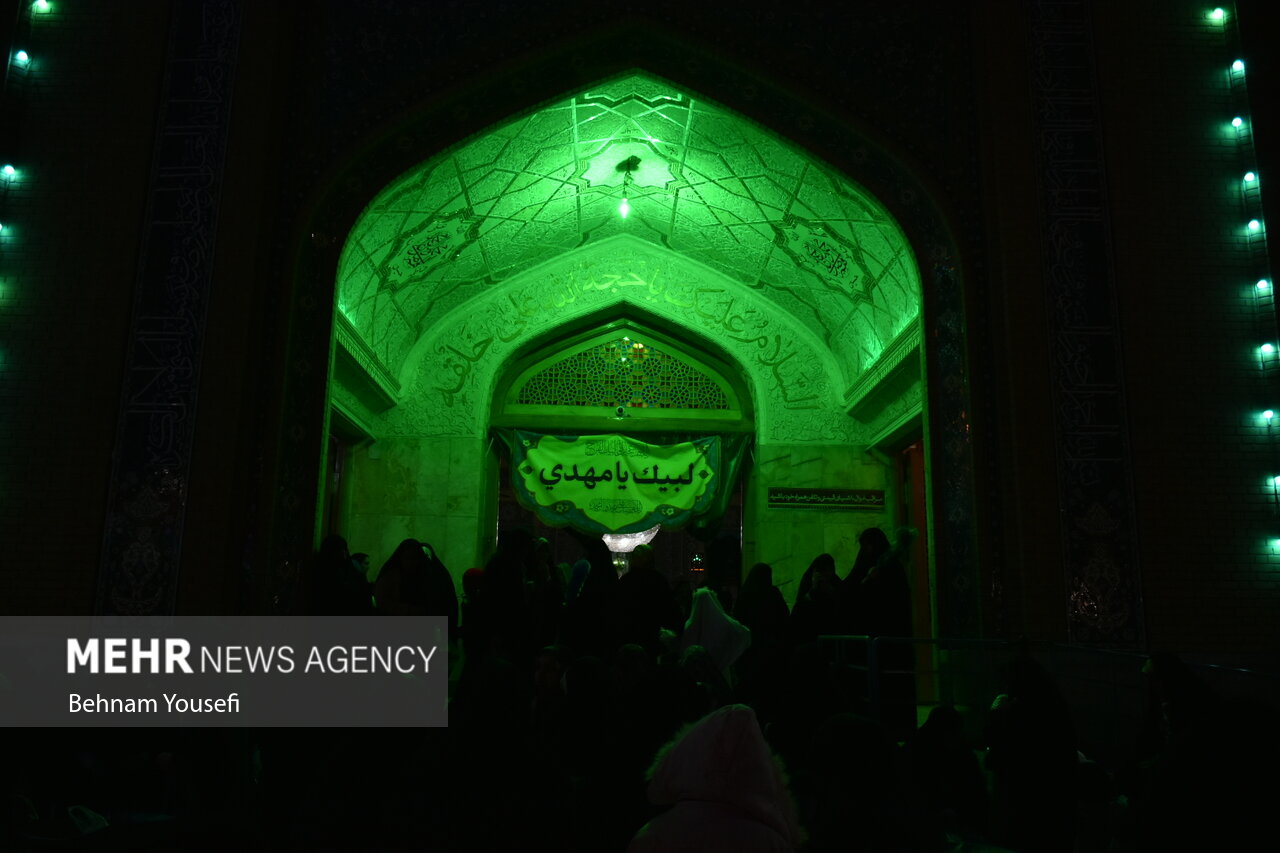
<point x="713" y="188"/>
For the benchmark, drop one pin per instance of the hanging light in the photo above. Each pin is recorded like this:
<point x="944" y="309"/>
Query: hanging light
<point x="626" y="167"/>
<point x="625" y="543"/>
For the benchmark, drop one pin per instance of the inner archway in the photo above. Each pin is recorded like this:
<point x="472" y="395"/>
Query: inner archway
<point x="628" y="375"/>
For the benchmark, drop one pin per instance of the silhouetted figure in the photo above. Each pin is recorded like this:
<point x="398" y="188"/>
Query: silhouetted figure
<point x="817" y="607"/>
<point x="577" y="576"/>
<point x="1195" y="775"/>
<point x="947" y="786"/>
<point x="503" y="608"/>
<point x="858" y="609"/>
<point x="1031" y="755"/>
<point x="331" y="584"/>
<point x="413" y="582"/>
<point x="590" y="622"/>
<point x="724" y="569"/>
<point x="645" y="602"/>
<point x="711" y="682"/>
<point x="724" y="638"/>
<point x="884" y="604"/>
<point x="725" y="789"/>
<point x="762" y="609"/>
<point x="545" y="595"/>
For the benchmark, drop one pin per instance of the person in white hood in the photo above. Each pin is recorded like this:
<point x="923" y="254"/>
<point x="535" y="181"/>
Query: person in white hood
<point x="725" y="788"/>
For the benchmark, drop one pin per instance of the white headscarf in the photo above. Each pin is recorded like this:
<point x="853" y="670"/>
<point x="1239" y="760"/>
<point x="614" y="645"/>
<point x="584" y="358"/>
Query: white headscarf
<point x="724" y="638"/>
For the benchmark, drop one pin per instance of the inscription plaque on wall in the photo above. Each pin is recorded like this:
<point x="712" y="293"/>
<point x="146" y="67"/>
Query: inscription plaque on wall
<point x="787" y="498"/>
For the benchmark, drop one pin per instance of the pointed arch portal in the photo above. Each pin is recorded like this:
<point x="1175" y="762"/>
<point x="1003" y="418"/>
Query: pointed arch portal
<point x="632" y="204"/>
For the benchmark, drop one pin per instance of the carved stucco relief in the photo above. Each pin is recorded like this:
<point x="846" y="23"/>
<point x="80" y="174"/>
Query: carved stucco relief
<point x="449" y="377"/>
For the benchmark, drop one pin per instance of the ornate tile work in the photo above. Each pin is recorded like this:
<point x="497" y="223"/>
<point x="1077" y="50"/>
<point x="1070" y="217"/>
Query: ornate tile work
<point x="1104" y="601"/>
<point x="152" y="459"/>
<point x="623" y="373"/>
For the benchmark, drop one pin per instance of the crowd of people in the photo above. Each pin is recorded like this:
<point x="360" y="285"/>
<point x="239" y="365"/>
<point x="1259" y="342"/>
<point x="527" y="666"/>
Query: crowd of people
<point x="594" y="709"/>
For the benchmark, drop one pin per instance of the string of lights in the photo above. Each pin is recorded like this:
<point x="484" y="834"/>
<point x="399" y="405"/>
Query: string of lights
<point x="20" y="68"/>
<point x="1253" y="230"/>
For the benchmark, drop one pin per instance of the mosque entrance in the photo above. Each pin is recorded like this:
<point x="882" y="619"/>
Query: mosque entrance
<point x="635" y="260"/>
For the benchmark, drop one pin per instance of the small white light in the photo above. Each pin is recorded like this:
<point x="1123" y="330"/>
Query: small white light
<point x="1237" y="122"/>
<point x="1263" y="284"/>
<point x="1250" y="177"/>
<point x="22" y="57"/>
<point x="1267" y="349"/>
<point x="41" y="5"/>
<point x="1275" y="481"/>
<point x="1268" y="414"/>
<point x="624" y="209"/>
<point x="8" y="171"/>
<point x="1218" y="15"/>
<point x="1255" y="225"/>
<point x="1238" y="66"/>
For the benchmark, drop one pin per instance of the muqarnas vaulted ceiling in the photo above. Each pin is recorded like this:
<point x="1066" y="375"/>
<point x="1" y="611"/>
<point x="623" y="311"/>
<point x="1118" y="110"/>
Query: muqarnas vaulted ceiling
<point x="709" y="185"/>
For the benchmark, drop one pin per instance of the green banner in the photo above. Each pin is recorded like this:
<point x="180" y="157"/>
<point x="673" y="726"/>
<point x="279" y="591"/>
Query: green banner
<point x="613" y="483"/>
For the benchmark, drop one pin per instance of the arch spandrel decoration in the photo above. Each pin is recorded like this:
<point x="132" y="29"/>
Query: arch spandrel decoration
<point x="793" y="379"/>
<point x="709" y="186"/>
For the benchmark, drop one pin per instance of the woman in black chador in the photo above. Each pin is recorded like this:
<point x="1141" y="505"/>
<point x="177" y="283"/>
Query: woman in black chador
<point x="414" y="582"/>
<point x="817" y="607"/>
<point x="877" y="601"/>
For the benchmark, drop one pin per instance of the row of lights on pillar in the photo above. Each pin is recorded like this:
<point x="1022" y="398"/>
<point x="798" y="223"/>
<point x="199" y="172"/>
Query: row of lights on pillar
<point x="1255" y="237"/>
<point x="19" y="63"/>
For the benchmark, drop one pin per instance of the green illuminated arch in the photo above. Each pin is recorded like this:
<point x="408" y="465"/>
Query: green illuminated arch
<point x="799" y="274"/>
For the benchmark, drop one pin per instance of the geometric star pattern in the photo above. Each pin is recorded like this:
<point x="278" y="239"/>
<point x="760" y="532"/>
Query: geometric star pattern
<point x="704" y="182"/>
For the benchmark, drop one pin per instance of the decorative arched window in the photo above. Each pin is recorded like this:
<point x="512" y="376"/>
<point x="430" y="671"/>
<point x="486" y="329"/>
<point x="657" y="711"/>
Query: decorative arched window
<point x="621" y="370"/>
